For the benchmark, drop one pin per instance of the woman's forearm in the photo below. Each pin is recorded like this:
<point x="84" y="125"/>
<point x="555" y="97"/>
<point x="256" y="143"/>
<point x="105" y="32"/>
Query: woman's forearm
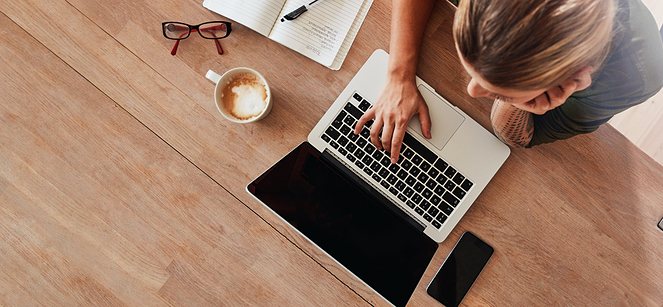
<point x="512" y="126"/>
<point x="408" y="23"/>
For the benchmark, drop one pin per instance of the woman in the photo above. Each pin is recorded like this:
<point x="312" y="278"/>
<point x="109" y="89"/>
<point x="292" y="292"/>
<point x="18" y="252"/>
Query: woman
<point x="556" y="68"/>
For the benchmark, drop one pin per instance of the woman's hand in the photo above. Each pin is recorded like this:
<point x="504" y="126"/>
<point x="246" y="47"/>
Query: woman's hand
<point x="399" y="101"/>
<point x="556" y="96"/>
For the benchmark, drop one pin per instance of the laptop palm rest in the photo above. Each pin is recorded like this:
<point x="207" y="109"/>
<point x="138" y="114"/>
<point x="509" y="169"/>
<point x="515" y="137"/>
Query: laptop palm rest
<point x="444" y="118"/>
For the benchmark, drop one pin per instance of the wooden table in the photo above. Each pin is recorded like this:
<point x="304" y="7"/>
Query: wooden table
<point x="120" y="183"/>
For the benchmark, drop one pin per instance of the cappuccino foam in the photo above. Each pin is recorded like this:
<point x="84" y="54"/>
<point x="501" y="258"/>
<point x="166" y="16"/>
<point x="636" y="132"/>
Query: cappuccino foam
<point x="244" y="97"/>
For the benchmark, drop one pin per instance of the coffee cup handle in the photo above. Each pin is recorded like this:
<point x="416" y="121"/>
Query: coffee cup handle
<point x="212" y="76"/>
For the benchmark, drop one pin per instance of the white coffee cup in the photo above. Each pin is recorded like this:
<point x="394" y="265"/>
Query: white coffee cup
<point x="223" y="80"/>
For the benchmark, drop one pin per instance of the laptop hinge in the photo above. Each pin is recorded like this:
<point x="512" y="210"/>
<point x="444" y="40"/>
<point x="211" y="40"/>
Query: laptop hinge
<point x="368" y="187"/>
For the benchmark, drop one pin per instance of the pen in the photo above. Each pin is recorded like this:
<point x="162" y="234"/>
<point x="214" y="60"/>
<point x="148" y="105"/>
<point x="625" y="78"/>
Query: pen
<point x="294" y="14"/>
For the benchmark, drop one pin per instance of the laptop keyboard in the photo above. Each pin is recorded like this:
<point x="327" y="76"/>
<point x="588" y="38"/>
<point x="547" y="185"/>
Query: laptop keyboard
<point x="420" y="179"/>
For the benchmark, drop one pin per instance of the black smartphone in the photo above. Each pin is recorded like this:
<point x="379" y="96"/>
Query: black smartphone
<point x="460" y="270"/>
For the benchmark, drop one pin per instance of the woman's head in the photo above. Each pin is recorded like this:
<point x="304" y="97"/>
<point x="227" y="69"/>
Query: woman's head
<point x="526" y="47"/>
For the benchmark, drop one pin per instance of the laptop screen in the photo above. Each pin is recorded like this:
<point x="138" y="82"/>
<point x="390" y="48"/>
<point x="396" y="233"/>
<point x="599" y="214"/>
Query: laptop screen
<point x="340" y="215"/>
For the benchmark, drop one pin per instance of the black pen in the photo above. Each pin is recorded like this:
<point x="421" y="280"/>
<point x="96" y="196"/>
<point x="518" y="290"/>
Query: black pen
<point x="294" y="14"/>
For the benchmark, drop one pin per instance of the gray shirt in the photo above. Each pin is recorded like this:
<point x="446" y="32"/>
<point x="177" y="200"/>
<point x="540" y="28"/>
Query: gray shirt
<point x="632" y="73"/>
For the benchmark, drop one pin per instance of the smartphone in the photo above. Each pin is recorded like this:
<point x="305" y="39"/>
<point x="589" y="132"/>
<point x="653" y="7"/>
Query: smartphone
<point x="460" y="270"/>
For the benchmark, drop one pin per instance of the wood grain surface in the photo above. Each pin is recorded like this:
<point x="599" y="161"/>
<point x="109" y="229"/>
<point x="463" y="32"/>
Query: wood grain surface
<point x="120" y="183"/>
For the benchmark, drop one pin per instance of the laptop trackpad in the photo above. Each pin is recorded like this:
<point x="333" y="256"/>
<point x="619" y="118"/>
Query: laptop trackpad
<point x="445" y="120"/>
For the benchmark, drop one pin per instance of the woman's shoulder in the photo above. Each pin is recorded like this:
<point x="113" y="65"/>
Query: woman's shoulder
<point x="634" y="67"/>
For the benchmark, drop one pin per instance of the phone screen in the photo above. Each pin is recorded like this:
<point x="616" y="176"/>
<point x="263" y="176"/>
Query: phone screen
<point x="459" y="271"/>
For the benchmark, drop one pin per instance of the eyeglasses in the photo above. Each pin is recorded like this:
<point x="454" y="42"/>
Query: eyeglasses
<point x="178" y="31"/>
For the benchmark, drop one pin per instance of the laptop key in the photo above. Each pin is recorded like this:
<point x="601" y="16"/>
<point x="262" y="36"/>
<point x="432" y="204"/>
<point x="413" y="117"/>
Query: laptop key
<point x="458" y="179"/>
<point x="400" y="185"/>
<point x="419" y="148"/>
<point x="367" y="160"/>
<point x="408" y="153"/>
<point x="439" y="190"/>
<point x="343" y="141"/>
<point x="450" y="199"/>
<point x="351" y="147"/>
<point x="368" y="171"/>
<point x="467" y="184"/>
<point x="417" y="198"/>
<point x="428" y="218"/>
<point x="418" y="187"/>
<point x="377" y="155"/>
<point x="364" y="105"/>
<point x="433" y="210"/>
<point x="353" y="110"/>
<point x="394" y="168"/>
<point x="359" y="153"/>
<point x="414" y="171"/>
<point x="334" y="144"/>
<point x="431" y="184"/>
<point x="410" y="181"/>
<point x="406" y="165"/>
<point x="435" y="200"/>
<point x="342" y="151"/>
<point x="425" y="166"/>
<point x="376" y="178"/>
<point x="416" y="160"/>
<point x="361" y="142"/>
<point x="357" y="96"/>
<point x="326" y="138"/>
<point x="441" y="165"/>
<point x="424" y="205"/>
<point x="385" y="161"/>
<point x="441" y="217"/>
<point x="446" y="208"/>
<point x="392" y="179"/>
<point x="402" y="174"/>
<point x="419" y="211"/>
<point x="402" y="197"/>
<point x="369" y="148"/>
<point x="427" y="193"/>
<point x="333" y="133"/>
<point x="383" y="173"/>
<point x="359" y="164"/>
<point x="384" y="184"/>
<point x="408" y="192"/>
<point x="450" y="186"/>
<point x="393" y="190"/>
<point x="423" y="178"/>
<point x="441" y="179"/>
<point x="365" y="133"/>
<point x="352" y="158"/>
<point x="375" y="166"/>
<point x="450" y="172"/>
<point x="433" y="172"/>
<point x="458" y="192"/>
<point x="337" y="123"/>
<point x="349" y="121"/>
<point x="410" y="204"/>
<point x="352" y="136"/>
<point x="345" y="130"/>
<point x="437" y="224"/>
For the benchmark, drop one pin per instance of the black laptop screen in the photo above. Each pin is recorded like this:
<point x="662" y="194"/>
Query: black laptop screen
<point x="352" y="225"/>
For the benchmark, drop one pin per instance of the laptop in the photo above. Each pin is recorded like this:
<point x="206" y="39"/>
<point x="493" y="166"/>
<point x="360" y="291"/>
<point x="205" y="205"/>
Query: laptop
<point x="381" y="221"/>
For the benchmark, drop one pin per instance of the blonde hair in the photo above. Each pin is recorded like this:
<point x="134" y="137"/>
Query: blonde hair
<point x="529" y="45"/>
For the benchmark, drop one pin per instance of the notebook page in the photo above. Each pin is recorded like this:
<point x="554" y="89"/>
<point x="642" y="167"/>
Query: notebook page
<point x="350" y="38"/>
<point x="320" y="32"/>
<point x="258" y="15"/>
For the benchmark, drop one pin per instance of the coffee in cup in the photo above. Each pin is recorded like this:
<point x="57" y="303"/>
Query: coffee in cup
<point x="244" y="96"/>
<point x="241" y="94"/>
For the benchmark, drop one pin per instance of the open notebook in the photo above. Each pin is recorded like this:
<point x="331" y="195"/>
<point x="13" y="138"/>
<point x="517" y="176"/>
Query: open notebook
<point x="324" y="33"/>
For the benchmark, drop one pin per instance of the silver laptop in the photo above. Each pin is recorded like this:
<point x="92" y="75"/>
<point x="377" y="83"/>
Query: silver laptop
<point x="435" y="181"/>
